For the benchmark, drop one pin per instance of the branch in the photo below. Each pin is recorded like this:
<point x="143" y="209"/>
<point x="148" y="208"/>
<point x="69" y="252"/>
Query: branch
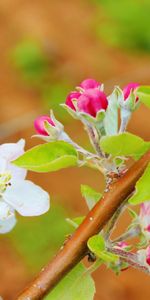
<point x="76" y="247"/>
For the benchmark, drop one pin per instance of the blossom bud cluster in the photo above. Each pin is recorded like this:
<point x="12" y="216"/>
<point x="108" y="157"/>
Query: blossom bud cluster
<point x="89" y="99"/>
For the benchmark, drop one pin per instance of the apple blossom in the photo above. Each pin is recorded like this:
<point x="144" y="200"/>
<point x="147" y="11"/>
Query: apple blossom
<point x="89" y="84"/>
<point x="39" y="124"/>
<point x="144" y="218"/>
<point x="92" y="101"/>
<point x="148" y="255"/>
<point x="131" y="87"/>
<point x="89" y="101"/>
<point x="121" y="245"/>
<point x="16" y="193"/>
<point x="70" y="97"/>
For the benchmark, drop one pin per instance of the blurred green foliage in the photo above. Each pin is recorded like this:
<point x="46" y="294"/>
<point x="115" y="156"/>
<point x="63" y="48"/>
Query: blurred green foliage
<point x="124" y="23"/>
<point x="29" y="58"/>
<point x="37" y="239"/>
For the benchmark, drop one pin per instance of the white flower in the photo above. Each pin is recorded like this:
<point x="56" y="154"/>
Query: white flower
<point x="16" y="193"/>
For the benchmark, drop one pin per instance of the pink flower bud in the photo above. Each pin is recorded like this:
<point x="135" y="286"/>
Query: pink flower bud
<point x="148" y="255"/>
<point x="70" y="97"/>
<point x="122" y="245"/>
<point x="89" y="84"/>
<point x="128" y="88"/>
<point x="145" y="209"/>
<point x="39" y="124"/>
<point x="144" y="217"/>
<point x="92" y="101"/>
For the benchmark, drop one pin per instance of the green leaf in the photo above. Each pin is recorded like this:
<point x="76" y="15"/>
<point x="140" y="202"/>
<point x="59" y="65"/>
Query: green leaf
<point x="48" y="157"/>
<point x="108" y="257"/>
<point x="90" y="195"/>
<point x="124" y="144"/>
<point x="96" y="244"/>
<point x="111" y="115"/>
<point x="143" y="92"/>
<point x="77" y="285"/>
<point x="76" y="221"/>
<point x="142" y="193"/>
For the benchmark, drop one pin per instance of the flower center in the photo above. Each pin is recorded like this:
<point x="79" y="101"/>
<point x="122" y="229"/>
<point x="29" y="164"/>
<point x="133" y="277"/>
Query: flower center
<point x="4" y="181"/>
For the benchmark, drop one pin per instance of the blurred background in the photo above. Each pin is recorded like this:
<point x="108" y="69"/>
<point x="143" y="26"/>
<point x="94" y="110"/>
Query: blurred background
<point x="47" y="47"/>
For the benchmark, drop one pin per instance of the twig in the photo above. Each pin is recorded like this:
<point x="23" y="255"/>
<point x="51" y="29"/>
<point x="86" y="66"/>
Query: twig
<point x="76" y="247"/>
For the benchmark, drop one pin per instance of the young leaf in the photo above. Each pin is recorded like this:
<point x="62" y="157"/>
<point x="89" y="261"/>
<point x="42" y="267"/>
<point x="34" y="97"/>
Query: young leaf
<point x="96" y="244"/>
<point x="111" y="115"/>
<point x="78" y="284"/>
<point x="48" y="157"/>
<point x="143" y="92"/>
<point x="142" y="193"/>
<point x="125" y="144"/>
<point x="90" y="195"/>
<point x="108" y="257"/>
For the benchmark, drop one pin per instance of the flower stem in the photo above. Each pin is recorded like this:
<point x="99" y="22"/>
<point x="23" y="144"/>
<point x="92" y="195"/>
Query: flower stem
<point x="130" y="258"/>
<point x="125" y="117"/>
<point x="128" y="235"/>
<point x="94" y="140"/>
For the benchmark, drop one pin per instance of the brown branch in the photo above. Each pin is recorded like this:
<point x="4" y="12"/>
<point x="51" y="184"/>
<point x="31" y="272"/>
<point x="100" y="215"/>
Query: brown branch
<point x="76" y="247"/>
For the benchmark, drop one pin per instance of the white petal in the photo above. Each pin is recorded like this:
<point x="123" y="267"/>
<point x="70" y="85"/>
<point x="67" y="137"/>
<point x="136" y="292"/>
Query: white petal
<point x="5" y="210"/>
<point x="7" y="217"/>
<point x="11" y="151"/>
<point x="16" y="172"/>
<point x="27" y="198"/>
<point x="3" y="165"/>
<point x="7" y="225"/>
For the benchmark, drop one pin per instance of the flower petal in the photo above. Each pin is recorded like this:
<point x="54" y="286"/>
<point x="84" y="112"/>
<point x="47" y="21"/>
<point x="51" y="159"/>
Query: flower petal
<point x="7" y="217"/>
<point x="27" y="198"/>
<point x="7" y="224"/>
<point x="3" y="164"/>
<point x="9" y="152"/>
<point x="5" y="210"/>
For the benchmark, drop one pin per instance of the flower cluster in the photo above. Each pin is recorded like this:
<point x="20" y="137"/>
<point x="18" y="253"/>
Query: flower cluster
<point x="16" y="193"/>
<point x="88" y="100"/>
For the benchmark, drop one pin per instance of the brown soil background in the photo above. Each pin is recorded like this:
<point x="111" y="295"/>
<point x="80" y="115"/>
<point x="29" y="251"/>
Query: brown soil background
<point x="65" y="28"/>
